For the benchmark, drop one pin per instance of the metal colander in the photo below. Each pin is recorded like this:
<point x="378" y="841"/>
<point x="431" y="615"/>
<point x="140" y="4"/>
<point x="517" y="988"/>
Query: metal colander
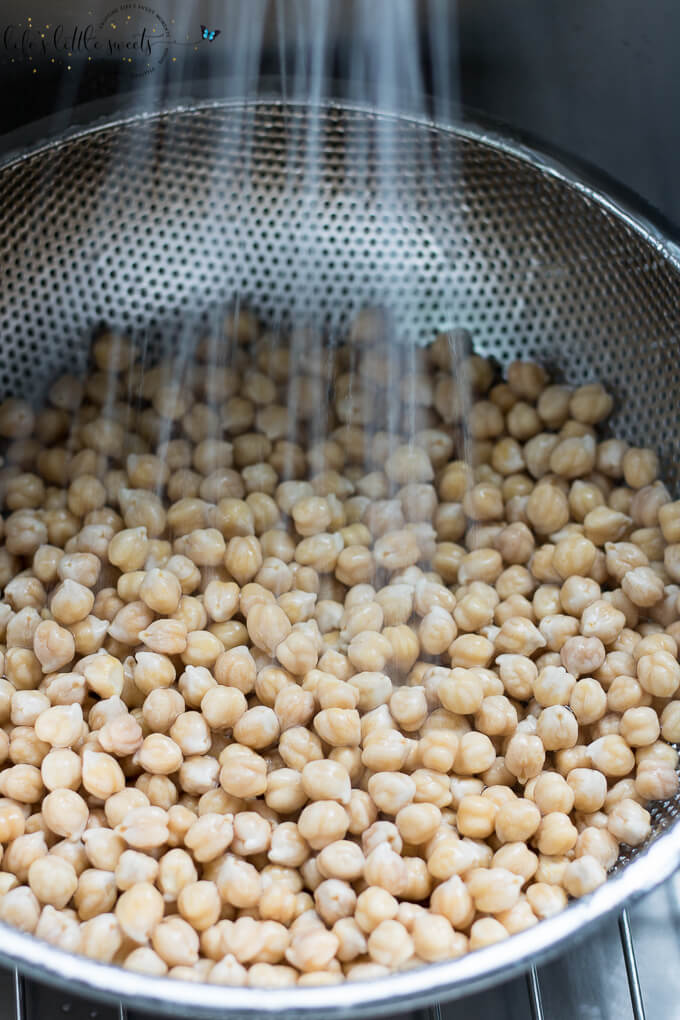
<point x="154" y="225"/>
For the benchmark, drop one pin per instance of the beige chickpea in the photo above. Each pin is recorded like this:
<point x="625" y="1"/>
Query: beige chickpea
<point x="556" y="834"/>
<point x="622" y="557"/>
<point x="659" y="673"/>
<point x="639" y="727"/>
<point x="670" y="722"/>
<point x="577" y="593"/>
<point x="590" y="403"/>
<point x="326" y="780"/>
<point x="483" y="502"/>
<point x="669" y="521"/>
<point x="516" y="821"/>
<point x="526" y="379"/>
<point x="22" y="782"/>
<point x="452" y="900"/>
<point x="497" y="716"/>
<point x="602" y="525"/>
<point x="598" y="843"/>
<point x="102" y="776"/>
<point x="493" y="889"/>
<point x="408" y="707"/>
<point x="476" y="817"/>
<point x="238" y="882"/>
<point x="391" y="791"/>
<point x="166" y="637"/>
<point x="642" y="586"/>
<point x="65" y="813"/>
<point x="374" y="905"/>
<point x="583" y="876"/>
<point x="298" y="745"/>
<point x="582" y="655"/>
<point x="103" y="674"/>
<point x="257" y="728"/>
<point x="611" y="755"/>
<point x="144" y="828"/>
<point x="160" y="590"/>
<point x="610" y="455"/>
<point x="602" y="620"/>
<point x="547" y="509"/>
<point x="20" y="908"/>
<point x="553" y="686"/>
<point x="138" y="911"/>
<point x="524" y="756"/>
<point x="152" y="671"/>
<point x="588" y="701"/>
<point x="476" y="754"/>
<point x="288" y="848"/>
<point x="519" y="636"/>
<point x="470" y="650"/>
<point x="629" y="822"/>
<point x="12" y="820"/>
<point x="186" y="515"/>
<point x="133" y="867"/>
<point x="461" y="691"/>
<point x="243" y="772"/>
<point x="557" y="728"/>
<point x="646" y="503"/>
<point x="71" y="602"/>
<point x="176" y="869"/>
<point x="573" y="457"/>
<point x="655" y="780"/>
<point x="436" y="632"/>
<point x="640" y="467"/>
<point x="322" y="823"/>
<point x="60" y="726"/>
<point x="557" y="629"/>
<point x="268" y="626"/>
<point x="27" y="706"/>
<point x="589" y="787"/>
<point x="202" y="648"/>
<point x="334" y="900"/>
<point x="390" y="944"/>
<point x="129" y="622"/>
<point x="88" y="635"/>
<point x="341" y="859"/>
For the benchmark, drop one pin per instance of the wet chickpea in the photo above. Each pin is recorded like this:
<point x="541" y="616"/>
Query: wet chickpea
<point x="590" y="403"/>
<point x="547" y="509"/>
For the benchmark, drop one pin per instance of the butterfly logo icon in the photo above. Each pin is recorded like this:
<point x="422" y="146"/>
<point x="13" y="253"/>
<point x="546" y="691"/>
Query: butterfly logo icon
<point x="209" y="33"/>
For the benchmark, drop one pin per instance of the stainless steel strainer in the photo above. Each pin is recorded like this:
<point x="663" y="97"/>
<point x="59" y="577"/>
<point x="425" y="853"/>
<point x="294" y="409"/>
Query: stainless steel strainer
<point x="154" y="225"/>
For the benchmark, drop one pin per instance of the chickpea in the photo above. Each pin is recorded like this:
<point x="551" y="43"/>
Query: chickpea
<point x="583" y="876"/>
<point x="611" y="756"/>
<point x="524" y="756"/>
<point x="629" y="822"/>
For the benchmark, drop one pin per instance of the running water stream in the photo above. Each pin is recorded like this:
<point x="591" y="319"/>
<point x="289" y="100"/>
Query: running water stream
<point x="377" y="55"/>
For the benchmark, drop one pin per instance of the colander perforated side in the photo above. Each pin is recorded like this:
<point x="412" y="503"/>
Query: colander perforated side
<point x="154" y="224"/>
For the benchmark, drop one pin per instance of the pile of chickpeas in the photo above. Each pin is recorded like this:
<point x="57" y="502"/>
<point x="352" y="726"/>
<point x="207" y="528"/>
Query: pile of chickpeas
<point x="288" y="698"/>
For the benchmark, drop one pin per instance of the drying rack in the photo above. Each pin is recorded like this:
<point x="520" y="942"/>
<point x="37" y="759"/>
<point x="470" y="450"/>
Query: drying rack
<point x="627" y="970"/>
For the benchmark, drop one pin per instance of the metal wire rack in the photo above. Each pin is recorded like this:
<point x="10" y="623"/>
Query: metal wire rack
<point x="628" y="970"/>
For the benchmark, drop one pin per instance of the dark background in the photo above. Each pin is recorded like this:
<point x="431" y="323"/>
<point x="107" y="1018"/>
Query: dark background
<point x="598" y="79"/>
